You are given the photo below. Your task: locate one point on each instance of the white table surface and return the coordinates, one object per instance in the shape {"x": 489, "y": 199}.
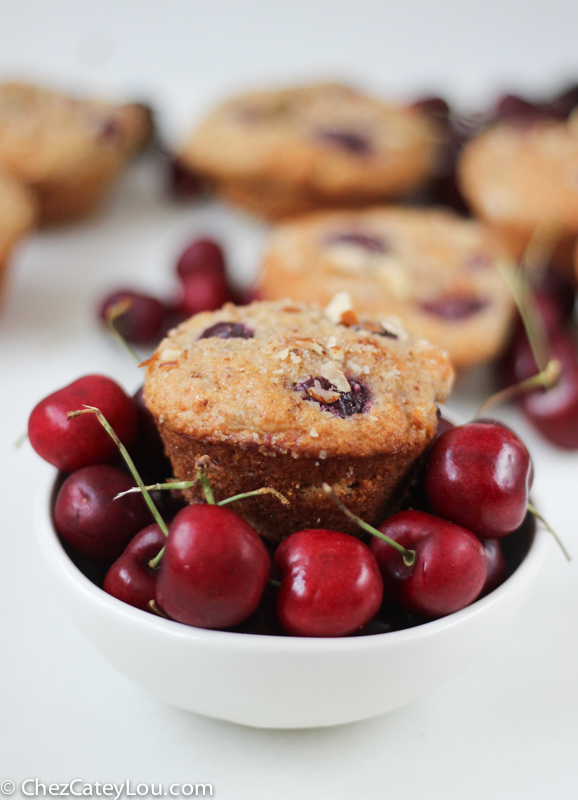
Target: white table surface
{"x": 507, "y": 727}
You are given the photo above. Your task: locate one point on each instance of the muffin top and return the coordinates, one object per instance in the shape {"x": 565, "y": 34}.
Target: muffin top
{"x": 523, "y": 174}
{"x": 328, "y": 138}
{"x": 285, "y": 377}
{"x": 44, "y": 133}
{"x": 434, "y": 270}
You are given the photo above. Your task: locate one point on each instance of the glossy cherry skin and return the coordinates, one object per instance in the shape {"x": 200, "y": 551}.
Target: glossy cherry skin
{"x": 202, "y": 256}
{"x": 496, "y": 566}
{"x": 82, "y": 441}
{"x": 330, "y": 585}
{"x": 214, "y": 569}
{"x": 478, "y": 476}
{"x": 91, "y": 521}
{"x": 130, "y": 578}
{"x": 142, "y": 321}
{"x": 449, "y": 570}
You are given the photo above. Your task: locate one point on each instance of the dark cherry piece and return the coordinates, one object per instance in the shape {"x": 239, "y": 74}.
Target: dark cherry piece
{"x": 353, "y": 402}
{"x": 88, "y": 517}
{"x": 496, "y": 566}
{"x": 364, "y": 240}
{"x": 478, "y": 476}
{"x": 454, "y": 307}
{"x": 214, "y": 569}
{"x": 349, "y": 141}
{"x": 79, "y": 442}
{"x": 227, "y": 330}
{"x": 330, "y": 585}
{"x": 449, "y": 570}
{"x": 201, "y": 256}
{"x": 142, "y": 322}
{"x": 130, "y": 578}
{"x": 204, "y": 291}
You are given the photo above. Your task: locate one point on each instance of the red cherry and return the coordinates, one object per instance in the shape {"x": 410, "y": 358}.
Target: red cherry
{"x": 478, "y": 476}
{"x": 449, "y": 570}
{"x": 130, "y": 578}
{"x": 331, "y": 584}
{"x": 202, "y": 256}
{"x": 554, "y": 413}
{"x": 214, "y": 569}
{"x": 91, "y": 521}
{"x": 142, "y": 321}
{"x": 204, "y": 291}
{"x": 82, "y": 441}
{"x": 496, "y": 566}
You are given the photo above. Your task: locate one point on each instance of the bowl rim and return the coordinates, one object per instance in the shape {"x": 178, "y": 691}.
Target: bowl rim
{"x": 61, "y": 563}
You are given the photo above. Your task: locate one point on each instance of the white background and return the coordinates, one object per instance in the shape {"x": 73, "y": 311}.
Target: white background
{"x": 507, "y": 727}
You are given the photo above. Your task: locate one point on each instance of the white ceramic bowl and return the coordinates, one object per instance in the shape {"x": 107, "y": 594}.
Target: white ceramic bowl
{"x": 276, "y": 681}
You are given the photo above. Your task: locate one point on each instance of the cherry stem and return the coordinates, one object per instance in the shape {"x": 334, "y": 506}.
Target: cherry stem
{"x": 525, "y": 301}
{"x": 264, "y": 490}
{"x": 205, "y": 485}
{"x": 129, "y": 462}
{"x": 273, "y": 582}
{"x": 154, "y": 607}
{"x": 543, "y": 380}
{"x": 21, "y": 439}
{"x": 112, "y": 314}
{"x": 533, "y": 511}
{"x": 408, "y": 555}
{"x": 155, "y": 487}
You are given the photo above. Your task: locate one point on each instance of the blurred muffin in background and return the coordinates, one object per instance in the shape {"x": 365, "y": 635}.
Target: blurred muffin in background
{"x": 67, "y": 151}
{"x": 521, "y": 176}
{"x": 17, "y": 217}
{"x": 428, "y": 268}
{"x": 284, "y": 152}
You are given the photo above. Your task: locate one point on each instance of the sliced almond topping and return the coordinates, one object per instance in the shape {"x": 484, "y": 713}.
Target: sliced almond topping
{"x": 339, "y": 305}
{"x": 282, "y": 354}
{"x": 337, "y": 353}
{"x": 332, "y": 341}
{"x": 317, "y": 392}
{"x": 335, "y": 376}
{"x": 170, "y": 355}
{"x": 296, "y": 359}
{"x": 313, "y": 433}
{"x": 394, "y": 326}
{"x": 349, "y": 318}
{"x": 278, "y": 371}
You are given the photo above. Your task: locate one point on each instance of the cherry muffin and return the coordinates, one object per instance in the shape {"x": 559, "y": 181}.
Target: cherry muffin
{"x": 283, "y": 395}
{"x": 431, "y": 269}
{"x": 67, "y": 150}
{"x": 17, "y": 217}
{"x": 521, "y": 174}
{"x": 288, "y": 151}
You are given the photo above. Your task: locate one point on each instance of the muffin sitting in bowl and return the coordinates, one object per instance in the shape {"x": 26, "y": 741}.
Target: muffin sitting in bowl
{"x": 289, "y": 396}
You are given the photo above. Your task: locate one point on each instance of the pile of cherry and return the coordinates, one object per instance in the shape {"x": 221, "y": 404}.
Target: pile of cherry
{"x": 204, "y": 285}
{"x": 209, "y": 567}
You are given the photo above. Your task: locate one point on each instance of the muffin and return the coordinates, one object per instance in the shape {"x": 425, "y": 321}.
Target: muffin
{"x": 68, "y": 151}
{"x": 285, "y": 396}
{"x": 519, "y": 175}
{"x": 431, "y": 269}
{"x": 17, "y": 217}
{"x": 288, "y": 151}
